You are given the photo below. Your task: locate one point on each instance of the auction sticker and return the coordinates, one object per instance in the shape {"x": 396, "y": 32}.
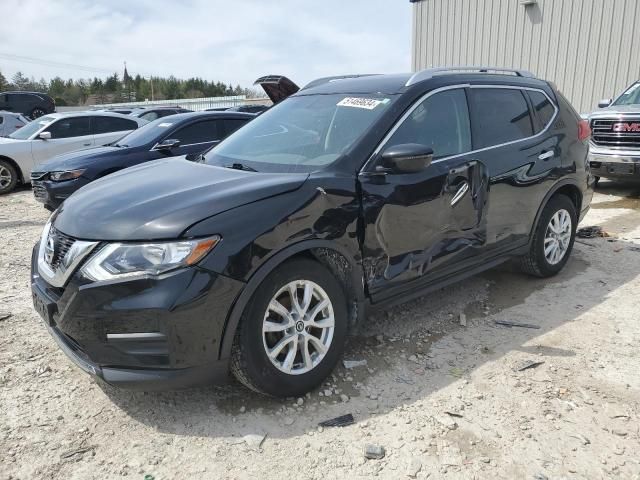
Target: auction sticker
{"x": 368, "y": 103}
{"x": 165, "y": 125}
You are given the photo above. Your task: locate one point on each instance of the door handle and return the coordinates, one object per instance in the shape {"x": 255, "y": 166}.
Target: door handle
{"x": 547, "y": 155}
{"x": 87, "y": 144}
{"x": 462, "y": 189}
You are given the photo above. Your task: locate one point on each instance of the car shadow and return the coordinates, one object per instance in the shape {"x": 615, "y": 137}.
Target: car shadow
{"x": 411, "y": 351}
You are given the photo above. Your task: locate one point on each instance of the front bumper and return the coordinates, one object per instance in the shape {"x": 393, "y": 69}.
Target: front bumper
{"x": 618, "y": 164}
{"x": 52, "y": 194}
{"x": 146, "y": 334}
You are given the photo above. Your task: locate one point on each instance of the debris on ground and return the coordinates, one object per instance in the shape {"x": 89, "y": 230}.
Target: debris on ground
{"x": 341, "y": 421}
{"x": 453, "y": 414}
{"x": 414, "y": 467}
{"x": 529, "y": 364}
{"x": 5, "y": 315}
{"x": 349, "y": 364}
{"x": 582, "y": 438}
{"x": 507, "y": 323}
{"x": 463, "y": 320}
{"x": 254, "y": 440}
{"x": 374, "y": 452}
{"x": 594, "y": 231}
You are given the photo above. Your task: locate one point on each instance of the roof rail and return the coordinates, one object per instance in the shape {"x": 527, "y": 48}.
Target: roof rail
{"x": 432, "y": 72}
{"x": 320, "y": 81}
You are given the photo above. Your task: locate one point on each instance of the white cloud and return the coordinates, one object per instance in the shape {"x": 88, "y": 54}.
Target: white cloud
{"x": 231, "y": 41}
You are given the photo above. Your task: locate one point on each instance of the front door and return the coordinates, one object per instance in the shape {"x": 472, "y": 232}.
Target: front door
{"x": 419, "y": 224}
{"x": 67, "y": 135}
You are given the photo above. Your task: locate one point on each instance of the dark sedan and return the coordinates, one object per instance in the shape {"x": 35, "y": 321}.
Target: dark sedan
{"x": 178, "y": 135}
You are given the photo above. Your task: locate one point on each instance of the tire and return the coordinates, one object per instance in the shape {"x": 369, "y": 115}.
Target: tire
{"x": 536, "y": 262}
{"x": 249, "y": 360}
{"x": 8, "y": 177}
{"x": 36, "y": 113}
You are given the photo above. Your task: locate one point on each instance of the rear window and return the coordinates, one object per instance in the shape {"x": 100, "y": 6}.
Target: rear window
{"x": 501, "y": 115}
{"x": 543, "y": 108}
{"x": 199, "y": 132}
{"x": 112, "y": 124}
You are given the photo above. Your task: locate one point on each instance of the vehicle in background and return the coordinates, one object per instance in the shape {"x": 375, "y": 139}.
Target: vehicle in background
{"x": 256, "y": 109}
{"x": 187, "y": 134}
{"x": 51, "y": 135}
{"x": 277, "y": 88}
{"x": 29, "y": 104}
{"x": 10, "y": 122}
{"x": 153, "y": 113}
{"x": 614, "y": 151}
{"x": 352, "y": 194}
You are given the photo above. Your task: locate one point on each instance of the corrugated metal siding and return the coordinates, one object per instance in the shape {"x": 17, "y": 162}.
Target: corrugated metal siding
{"x": 586, "y": 47}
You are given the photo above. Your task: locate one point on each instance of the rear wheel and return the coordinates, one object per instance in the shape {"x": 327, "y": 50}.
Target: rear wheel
{"x": 553, "y": 238}
{"x": 36, "y": 113}
{"x": 8, "y": 177}
{"x": 292, "y": 332}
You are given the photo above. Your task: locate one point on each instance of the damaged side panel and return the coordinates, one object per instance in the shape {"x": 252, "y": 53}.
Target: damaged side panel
{"x": 416, "y": 224}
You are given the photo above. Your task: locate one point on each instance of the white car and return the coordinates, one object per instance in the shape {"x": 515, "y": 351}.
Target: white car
{"x": 10, "y": 122}
{"x": 57, "y": 133}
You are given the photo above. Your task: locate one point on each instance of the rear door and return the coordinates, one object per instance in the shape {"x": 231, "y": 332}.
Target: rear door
{"x": 67, "y": 135}
{"x": 107, "y": 129}
{"x": 521, "y": 157}
{"x": 418, "y": 226}
{"x": 4, "y": 102}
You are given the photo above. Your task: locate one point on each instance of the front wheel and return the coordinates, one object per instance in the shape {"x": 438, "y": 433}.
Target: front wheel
{"x": 8, "y": 177}
{"x": 292, "y": 332}
{"x": 553, "y": 238}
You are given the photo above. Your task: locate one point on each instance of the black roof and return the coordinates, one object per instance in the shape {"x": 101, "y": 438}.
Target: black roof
{"x": 397, "y": 83}
{"x": 223, "y": 114}
{"x": 24, "y": 91}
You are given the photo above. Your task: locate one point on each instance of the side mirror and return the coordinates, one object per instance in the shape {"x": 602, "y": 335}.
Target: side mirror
{"x": 605, "y": 102}
{"x": 407, "y": 158}
{"x": 168, "y": 144}
{"x": 44, "y": 136}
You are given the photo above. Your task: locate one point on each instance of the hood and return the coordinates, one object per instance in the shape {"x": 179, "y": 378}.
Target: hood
{"x": 161, "y": 199}
{"x": 614, "y": 110}
{"x": 77, "y": 159}
{"x": 277, "y": 87}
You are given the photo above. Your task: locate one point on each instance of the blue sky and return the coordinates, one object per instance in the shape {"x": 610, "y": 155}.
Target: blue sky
{"x": 232, "y": 41}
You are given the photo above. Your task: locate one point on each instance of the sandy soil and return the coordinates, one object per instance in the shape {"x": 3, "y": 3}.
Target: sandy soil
{"x": 444, "y": 400}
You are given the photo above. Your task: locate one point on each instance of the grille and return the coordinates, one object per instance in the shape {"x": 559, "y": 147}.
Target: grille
{"x": 602, "y": 133}
{"x": 62, "y": 244}
{"x": 38, "y": 190}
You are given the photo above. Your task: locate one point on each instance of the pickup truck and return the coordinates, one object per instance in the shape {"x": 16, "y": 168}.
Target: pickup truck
{"x": 614, "y": 150}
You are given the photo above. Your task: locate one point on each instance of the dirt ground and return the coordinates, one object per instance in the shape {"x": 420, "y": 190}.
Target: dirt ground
{"x": 444, "y": 400}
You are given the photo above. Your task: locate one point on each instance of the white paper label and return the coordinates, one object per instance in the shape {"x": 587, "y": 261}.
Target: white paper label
{"x": 367, "y": 103}
{"x": 165, "y": 125}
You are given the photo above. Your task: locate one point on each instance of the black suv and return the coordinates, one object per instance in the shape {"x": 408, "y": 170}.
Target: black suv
{"x": 352, "y": 194}
{"x": 29, "y": 104}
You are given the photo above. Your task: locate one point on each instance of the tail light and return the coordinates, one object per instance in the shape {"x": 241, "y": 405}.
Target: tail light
{"x": 584, "y": 130}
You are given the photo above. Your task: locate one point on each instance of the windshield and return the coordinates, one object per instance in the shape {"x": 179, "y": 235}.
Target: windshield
{"x": 148, "y": 133}
{"x": 29, "y": 129}
{"x": 301, "y": 134}
{"x": 630, "y": 97}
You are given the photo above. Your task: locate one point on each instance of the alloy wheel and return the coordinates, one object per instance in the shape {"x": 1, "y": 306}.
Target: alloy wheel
{"x": 5, "y": 177}
{"x": 298, "y": 327}
{"x": 37, "y": 113}
{"x": 557, "y": 237}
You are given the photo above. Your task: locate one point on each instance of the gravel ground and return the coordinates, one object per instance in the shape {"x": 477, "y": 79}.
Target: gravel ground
{"x": 443, "y": 399}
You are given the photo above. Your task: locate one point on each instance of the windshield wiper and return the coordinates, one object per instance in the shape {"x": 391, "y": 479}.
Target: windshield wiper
{"x": 241, "y": 166}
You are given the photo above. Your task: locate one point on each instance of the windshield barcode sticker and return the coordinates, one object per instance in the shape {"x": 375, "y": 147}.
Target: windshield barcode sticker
{"x": 368, "y": 103}
{"x": 165, "y": 125}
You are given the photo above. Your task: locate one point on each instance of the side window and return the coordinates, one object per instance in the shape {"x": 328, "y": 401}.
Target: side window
{"x": 501, "y": 115}
{"x": 440, "y": 122}
{"x": 70, "y": 127}
{"x": 199, "y": 132}
{"x": 232, "y": 124}
{"x": 543, "y": 108}
{"x": 112, "y": 124}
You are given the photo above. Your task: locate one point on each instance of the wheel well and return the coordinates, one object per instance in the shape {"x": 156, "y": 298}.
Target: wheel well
{"x": 574, "y": 195}
{"x": 14, "y": 165}
{"x": 342, "y": 270}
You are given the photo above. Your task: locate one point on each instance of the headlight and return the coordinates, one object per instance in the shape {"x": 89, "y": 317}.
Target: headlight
{"x": 66, "y": 175}
{"x": 118, "y": 260}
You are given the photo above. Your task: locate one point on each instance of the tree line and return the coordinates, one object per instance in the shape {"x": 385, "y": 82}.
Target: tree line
{"x": 116, "y": 89}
